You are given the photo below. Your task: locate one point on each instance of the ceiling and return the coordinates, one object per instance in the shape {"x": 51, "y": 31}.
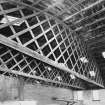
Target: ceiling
{"x": 90, "y": 24}
{"x": 85, "y": 17}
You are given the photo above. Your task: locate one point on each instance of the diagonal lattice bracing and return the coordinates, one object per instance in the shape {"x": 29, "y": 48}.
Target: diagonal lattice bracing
{"x": 15, "y": 63}
{"x": 47, "y": 39}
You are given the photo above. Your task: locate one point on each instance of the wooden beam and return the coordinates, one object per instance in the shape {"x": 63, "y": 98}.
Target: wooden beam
{"x": 8, "y": 42}
{"x": 99, "y": 1}
{"x": 69, "y": 102}
{"x": 97, "y": 47}
{"x": 97, "y": 39}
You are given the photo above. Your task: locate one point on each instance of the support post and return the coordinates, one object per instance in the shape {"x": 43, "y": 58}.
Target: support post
{"x": 21, "y": 88}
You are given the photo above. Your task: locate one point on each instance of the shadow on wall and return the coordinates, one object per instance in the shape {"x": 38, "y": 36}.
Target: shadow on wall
{"x": 19, "y": 103}
{"x": 8, "y": 89}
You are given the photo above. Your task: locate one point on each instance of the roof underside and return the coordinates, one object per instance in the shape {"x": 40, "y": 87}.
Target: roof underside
{"x": 85, "y": 17}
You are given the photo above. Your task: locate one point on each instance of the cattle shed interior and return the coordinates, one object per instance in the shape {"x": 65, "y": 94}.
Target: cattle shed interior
{"x": 52, "y": 52}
